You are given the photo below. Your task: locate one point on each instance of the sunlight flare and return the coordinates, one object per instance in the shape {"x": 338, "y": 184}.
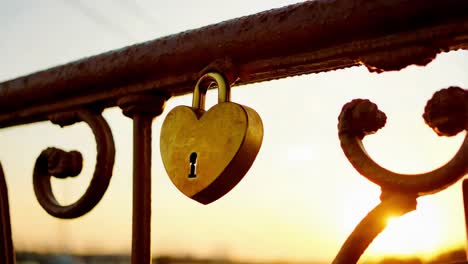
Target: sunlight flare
{"x": 418, "y": 232}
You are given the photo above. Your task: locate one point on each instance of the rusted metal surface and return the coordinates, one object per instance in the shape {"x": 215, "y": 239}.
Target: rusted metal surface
{"x": 7, "y": 254}
{"x": 141, "y": 223}
{"x": 447, "y": 114}
{"x": 361, "y": 117}
{"x": 62, "y": 164}
{"x": 142, "y": 109}
{"x": 312, "y": 36}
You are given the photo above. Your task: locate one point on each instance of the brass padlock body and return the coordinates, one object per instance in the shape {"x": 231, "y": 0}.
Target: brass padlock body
{"x": 207, "y": 153}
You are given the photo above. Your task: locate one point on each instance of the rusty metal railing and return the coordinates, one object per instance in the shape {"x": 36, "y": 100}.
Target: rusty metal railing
{"x": 314, "y": 36}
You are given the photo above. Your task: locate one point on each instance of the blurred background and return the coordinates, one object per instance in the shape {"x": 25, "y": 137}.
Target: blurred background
{"x": 301, "y": 198}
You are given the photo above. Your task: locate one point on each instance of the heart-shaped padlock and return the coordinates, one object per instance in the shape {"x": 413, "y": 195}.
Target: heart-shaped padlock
{"x": 207, "y": 153}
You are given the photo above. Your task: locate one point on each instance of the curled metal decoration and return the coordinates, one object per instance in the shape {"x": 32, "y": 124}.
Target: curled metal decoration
{"x": 447, "y": 114}
{"x": 7, "y": 254}
{"x": 394, "y": 205}
{"x": 62, "y": 164}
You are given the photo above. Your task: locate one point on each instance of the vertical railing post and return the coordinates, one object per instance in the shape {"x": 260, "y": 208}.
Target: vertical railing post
{"x": 7, "y": 254}
{"x": 465, "y": 205}
{"x": 142, "y": 109}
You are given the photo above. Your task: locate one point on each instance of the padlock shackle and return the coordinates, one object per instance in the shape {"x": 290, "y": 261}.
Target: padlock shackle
{"x": 206, "y": 82}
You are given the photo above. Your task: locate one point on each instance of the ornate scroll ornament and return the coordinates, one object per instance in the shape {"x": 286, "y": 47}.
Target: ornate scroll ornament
{"x": 61, "y": 164}
{"x": 447, "y": 114}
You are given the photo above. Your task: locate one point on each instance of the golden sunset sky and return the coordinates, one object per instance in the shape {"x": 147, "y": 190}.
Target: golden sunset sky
{"x": 301, "y": 198}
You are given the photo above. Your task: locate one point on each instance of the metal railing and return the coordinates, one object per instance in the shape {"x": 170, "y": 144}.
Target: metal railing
{"x": 308, "y": 37}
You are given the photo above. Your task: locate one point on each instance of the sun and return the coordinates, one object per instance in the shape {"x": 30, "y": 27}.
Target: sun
{"x": 417, "y": 233}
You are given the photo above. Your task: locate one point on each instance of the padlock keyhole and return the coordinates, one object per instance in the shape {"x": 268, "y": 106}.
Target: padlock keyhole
{"x": 193, "y": 165}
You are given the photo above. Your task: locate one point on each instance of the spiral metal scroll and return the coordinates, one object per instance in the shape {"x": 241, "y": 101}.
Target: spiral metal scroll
{"x": 62, "y": 164}
{"x": 447, "y": 114}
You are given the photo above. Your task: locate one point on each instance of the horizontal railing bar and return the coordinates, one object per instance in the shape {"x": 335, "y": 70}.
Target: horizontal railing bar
{"x": 308, "y": 37}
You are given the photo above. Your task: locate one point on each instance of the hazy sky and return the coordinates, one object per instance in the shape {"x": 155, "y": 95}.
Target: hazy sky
{"x": 300, "y": 199}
